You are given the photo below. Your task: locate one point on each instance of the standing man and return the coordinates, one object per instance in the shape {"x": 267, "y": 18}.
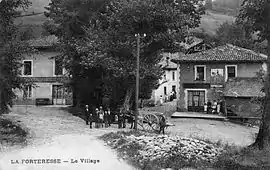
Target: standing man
{"x": 120, "y": 119}
{"x": 109, "y": 117}
{"x": 106, "y": 120}
{"x": 91, "y": 117}
{"x": 218, "y": 106}
{"x": 101, "y": 115}
{"x": 86, "y": 114}
{"x": 162, "y": 124}
{"x": 209, "y": 106}
{"x": 97, "y": 118}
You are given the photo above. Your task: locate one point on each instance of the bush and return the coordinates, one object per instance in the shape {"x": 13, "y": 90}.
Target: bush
{"x": 244, "y": 158}
{"x": 12, "y": 133}
{"x": 151, "y": 152}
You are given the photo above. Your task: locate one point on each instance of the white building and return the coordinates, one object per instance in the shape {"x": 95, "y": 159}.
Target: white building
{"x": 168, "y": 83}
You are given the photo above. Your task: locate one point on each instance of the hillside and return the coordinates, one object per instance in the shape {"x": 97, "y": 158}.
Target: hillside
{"x": 212, "y": 20}
{"x": 209, "y": 22}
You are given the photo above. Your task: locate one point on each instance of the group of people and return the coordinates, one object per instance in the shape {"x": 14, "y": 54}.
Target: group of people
{"x": 101, "y": 117}
{"x": 125, "y": 117}
{"x": 168, "y": 98}
{"x": 104, "y": 117}
{"x": 215, "y": 108}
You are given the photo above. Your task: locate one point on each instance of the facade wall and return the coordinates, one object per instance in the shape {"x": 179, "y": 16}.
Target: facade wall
{"x": 243, "y": 70}
{"x": 40, "y": 90}
{"x": 43, "y": 65}
{"x": 168, "y": 83}
{"x": 187, "y": 75}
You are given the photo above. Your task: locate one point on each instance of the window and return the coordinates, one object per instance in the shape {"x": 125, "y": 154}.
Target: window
{"x": 167, "y": 60}
{"x": 173, "y": 75}
{"x": 200, "y": 73}
{"x": 58, "y": 68}
{"x": 165, "y": 91}
{"x": 174, "y": 88}
{"x": 27, "y": 68}
{"x": 27, "y": 92}
{"x": 231, "y": 71}
{"x": 164, "y": 76}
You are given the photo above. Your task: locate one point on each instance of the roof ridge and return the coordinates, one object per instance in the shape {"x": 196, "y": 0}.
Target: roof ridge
{"x": 247, "y": 50}
{"x": 224, "y": 53}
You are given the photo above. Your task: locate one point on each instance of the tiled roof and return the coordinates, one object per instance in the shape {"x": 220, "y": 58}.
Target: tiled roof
{"x": 190, "y": 42}
{"x": 225, "y": 53}
{"x": 243, "y": 87}
{"x": 48, "y": 41}
{"x": 169, "y": 65}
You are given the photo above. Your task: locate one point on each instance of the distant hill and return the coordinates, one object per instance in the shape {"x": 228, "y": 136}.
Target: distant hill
{"x": 36, "y": 7}
{"x": 212, "y": 20}
{"x": 209, "y": 22}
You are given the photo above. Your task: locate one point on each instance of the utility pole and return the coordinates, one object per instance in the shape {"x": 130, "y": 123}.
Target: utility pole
{"x": 137, "y": 79}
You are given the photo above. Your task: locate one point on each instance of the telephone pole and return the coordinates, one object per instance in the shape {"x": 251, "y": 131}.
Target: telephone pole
{"x": 137, "y": 79}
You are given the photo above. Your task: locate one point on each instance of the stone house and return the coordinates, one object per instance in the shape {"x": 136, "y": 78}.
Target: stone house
{"x": 203, "y": 75}
{"x": 46, "y": 75}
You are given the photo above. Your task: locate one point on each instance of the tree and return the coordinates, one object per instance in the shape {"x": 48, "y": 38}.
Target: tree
{"x": 257, "y": 14}
{"x": 240, "y": 35}
{"x": 66, "y": 20}
{"x": 102, "y": 33}
{"x": 11, "y": 51}
{"x": 112, "y": 35}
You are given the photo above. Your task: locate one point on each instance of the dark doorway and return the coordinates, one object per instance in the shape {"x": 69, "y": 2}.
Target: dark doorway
{"x": 196, "y": 100}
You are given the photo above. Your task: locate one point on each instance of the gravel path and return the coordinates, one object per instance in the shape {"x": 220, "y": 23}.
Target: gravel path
{"x": 215, "y": 131}
{"x": 56, "y": 134}
{"x": 224, "y": 132}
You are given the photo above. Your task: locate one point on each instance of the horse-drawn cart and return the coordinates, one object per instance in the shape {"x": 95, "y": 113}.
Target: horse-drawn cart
{"x": 151, "y": 121}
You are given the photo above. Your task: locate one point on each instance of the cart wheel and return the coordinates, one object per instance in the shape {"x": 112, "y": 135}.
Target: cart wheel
{"x": 151, "y": 122}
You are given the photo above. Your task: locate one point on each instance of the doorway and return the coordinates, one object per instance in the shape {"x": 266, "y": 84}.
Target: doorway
{"x": 58, "y": 94}
{"x": 196, "y": 100}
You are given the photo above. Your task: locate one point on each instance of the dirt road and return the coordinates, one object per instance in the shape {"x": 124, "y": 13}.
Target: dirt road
{"x": 61, "y": 138}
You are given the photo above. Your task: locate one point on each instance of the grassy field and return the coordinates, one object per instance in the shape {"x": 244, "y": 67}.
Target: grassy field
{"x": 212, "y": 20}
